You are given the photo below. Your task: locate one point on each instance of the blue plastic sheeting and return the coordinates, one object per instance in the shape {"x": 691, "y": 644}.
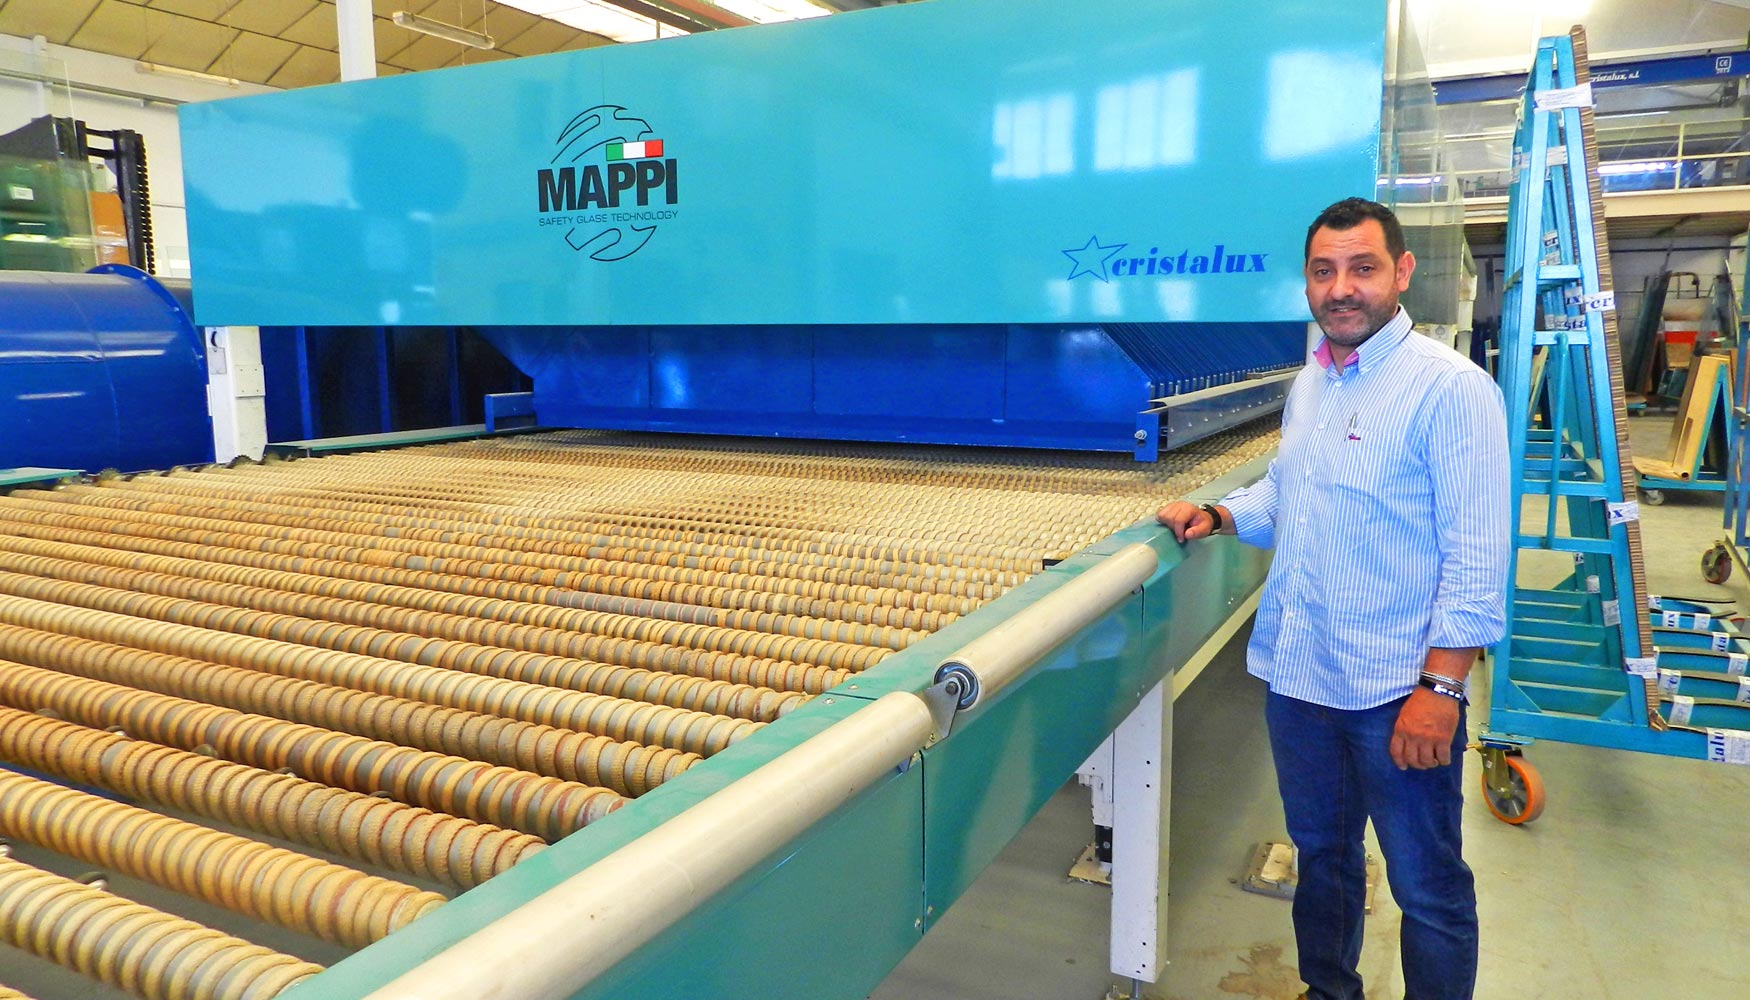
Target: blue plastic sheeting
{"x": 1032, "y": 386}
{"x": 100, "y": 370}
{"x": 974, "y": 162}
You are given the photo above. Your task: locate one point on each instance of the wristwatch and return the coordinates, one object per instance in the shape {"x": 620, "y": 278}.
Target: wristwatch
{"x": 1214, "y": 513}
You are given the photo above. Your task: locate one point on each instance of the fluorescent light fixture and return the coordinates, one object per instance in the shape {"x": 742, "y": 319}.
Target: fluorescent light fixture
{"x": 596, "y": 17}
{"x": 1635, "y": 167}
{"x": 1416, "y": 180}
{"x": 438, "y": 29}
{"x": 603, "y": 18}
{"x": 186, "y": 74}
{"x": 768, "y": 11}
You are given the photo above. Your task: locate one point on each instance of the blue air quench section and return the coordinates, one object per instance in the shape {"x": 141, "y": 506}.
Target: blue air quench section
{"x": 1084, "y": 387}
{"x": 858, "y": 244}
{"x": 103, "y": 370}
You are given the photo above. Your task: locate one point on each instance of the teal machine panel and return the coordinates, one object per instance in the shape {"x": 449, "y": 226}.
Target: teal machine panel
{"x": 961, "y": 161}
{"x": 973, "y": 222}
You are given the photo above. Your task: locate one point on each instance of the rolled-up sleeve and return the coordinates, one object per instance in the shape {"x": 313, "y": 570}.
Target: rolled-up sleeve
{"x": 1254, "y": 510}
{"x": 1467, "y": 459}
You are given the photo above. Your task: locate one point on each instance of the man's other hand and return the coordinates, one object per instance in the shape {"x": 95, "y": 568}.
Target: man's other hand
{"x": 1188, "y": 521}
{"x": 1423, "y": 737}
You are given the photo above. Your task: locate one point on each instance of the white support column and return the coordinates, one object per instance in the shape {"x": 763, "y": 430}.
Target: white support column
{"x": 1142, "y": 771}
{"x": 358, "y": 41}
{"x": 236, "y": 392}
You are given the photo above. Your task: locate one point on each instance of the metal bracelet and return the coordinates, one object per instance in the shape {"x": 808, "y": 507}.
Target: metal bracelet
{"x": 1456, "y": 694}
{"x": 1428, "y": 675}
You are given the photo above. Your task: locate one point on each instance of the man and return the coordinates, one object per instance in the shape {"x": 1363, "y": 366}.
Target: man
{"x": 1387, "y": 505}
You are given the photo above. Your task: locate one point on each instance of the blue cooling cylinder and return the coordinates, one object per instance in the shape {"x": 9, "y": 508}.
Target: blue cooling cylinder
{"x": 100, "y": 370}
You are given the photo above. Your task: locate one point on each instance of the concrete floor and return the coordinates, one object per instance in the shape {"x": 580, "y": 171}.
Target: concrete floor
{"x": 1631, "y": 885}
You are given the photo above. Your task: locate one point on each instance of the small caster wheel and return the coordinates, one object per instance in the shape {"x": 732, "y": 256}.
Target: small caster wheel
{"x": 1716, "y": 564}
{"x": 1512, "y": 789}
{"x": 1652, "y": 498}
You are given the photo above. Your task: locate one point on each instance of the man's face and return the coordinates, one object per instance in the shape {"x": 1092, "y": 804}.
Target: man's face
{"x": 1352, "y": 282}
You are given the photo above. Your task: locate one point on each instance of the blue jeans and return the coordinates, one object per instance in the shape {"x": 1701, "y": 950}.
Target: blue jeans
{"x": 1335, "y": 771}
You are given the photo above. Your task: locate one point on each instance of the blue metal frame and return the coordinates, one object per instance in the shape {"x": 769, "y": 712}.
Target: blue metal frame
{"x": 1737, "y": 519}
{"x": 1563, "y": 668}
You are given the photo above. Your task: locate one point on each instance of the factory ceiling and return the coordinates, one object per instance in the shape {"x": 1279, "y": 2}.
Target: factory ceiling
{"x": 295, "y": 43}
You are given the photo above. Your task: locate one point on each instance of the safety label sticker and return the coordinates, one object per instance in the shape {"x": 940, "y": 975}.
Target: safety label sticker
{"x": 1668, "y": 681}
{"x": 1728, "y": 746}
{"x": 1642, "y": 666}
{"x": 1721, "y": 642}
{"x": 1681, "y": 707}
{"x": 1564, "y": 97}
{"x": 1590, "y": 301}
{"x": 1737, "y": 664}
{"x": 1621, "y": 513}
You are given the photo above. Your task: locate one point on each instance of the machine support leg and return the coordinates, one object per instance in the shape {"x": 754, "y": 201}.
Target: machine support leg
{"x": 1130, "y": 779}
{"x": 236, "y": 392}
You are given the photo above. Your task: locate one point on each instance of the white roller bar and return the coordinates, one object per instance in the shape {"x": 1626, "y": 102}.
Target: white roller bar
{"x": 990, "y": 662}
{"x": 552, "y": 946}
{"x": 561, "y": 940}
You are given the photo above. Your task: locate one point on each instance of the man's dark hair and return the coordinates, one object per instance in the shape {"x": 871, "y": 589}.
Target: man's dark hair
{"x": 1352, "y": 212}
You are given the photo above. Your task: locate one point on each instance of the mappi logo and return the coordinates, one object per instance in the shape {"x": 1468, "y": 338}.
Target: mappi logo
{"x": 1097, "y": 259}
{"x": 593, "y": 197}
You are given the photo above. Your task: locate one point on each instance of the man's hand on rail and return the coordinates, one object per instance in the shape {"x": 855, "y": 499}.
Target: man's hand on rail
{"x": 1188, "y": 521}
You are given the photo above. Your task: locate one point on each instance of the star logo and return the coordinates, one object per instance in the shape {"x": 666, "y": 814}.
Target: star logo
{"x": 1091, "y": 258}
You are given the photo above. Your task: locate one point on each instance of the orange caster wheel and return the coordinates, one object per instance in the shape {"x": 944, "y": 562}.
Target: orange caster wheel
{"x": 1512, "y": 789}
{"x": 1716, "y": 564}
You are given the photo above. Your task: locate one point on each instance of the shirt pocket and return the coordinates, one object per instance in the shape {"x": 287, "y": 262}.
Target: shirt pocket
{"x": 1372, "y": 465}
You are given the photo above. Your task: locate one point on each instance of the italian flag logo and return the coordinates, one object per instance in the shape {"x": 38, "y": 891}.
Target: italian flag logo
{"x": 634, "y": 150}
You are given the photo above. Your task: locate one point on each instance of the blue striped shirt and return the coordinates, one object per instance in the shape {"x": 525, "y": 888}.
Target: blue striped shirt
{"x": 1387, "y": 505}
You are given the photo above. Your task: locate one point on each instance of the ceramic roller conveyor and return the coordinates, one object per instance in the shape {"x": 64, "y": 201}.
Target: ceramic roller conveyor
{"x": 513, "y": 637}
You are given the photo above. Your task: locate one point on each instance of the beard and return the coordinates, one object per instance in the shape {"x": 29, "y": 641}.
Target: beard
{"x": 1352, "y": 329}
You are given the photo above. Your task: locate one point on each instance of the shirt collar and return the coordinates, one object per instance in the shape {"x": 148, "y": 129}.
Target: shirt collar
{"x": 1371, "y": 350}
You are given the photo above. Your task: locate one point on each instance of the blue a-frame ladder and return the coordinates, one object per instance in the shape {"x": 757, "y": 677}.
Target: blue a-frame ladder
{"x": 1579, "y": 662}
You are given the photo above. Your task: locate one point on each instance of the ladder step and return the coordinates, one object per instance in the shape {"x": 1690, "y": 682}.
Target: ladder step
{"x": 1568, "y": 488}
{"x": 1549, "y": 275}
{"x": 1544, "y": 628}
{"x": 1561, "y": 650}
{"x": 1589, "y": 677}
{"x": 1589, "y": 702}
{"x": 1594, "y": 546}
